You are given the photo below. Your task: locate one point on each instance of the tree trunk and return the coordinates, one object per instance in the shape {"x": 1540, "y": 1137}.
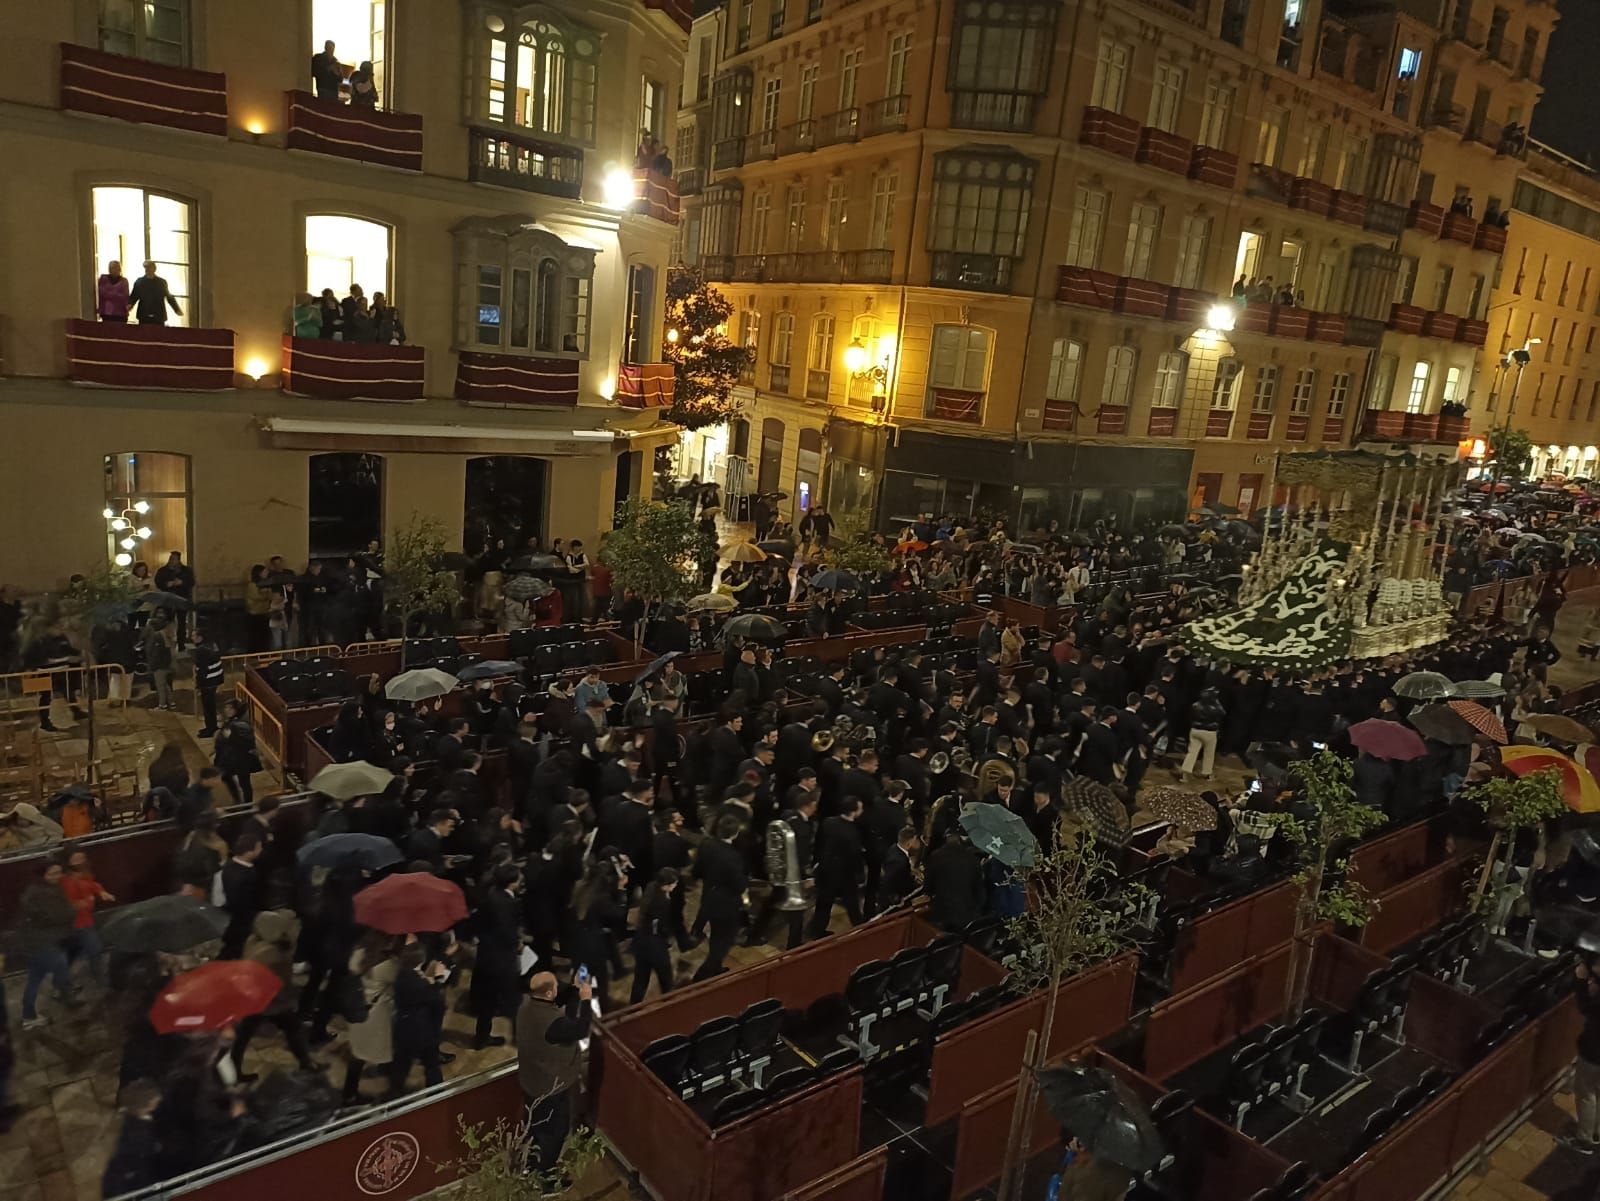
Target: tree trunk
{"x": 1010, "y": 1175}
{"x": 1488, "y": 871}
{"x": 88, "y": 704}
{"x": 1298, "y": 982}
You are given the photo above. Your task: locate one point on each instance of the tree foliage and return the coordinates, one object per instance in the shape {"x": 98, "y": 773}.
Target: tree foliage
{"x": 653, "y": 552}
{"x": 500, "y": 1162}
{"x": 859, "y": 558}
{"x": 414, "y": 578}
{"x": 90, "y": 604}
{"x": 1513, "y": 805}
{"x": 706, "y": 363}
{"x": 1511, "y": 450}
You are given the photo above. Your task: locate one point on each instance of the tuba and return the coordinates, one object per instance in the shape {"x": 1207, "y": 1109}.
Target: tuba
{"x": 992, "y": 773}
{"x": 822, "y": 741}
{"x": 783, "y": 865}
{"x": 932, "y": 821}
{"x": 938, "y": 763}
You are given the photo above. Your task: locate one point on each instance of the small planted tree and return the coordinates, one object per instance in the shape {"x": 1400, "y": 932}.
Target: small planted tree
{"x": 1513, "y": 805}
{"x": 653, "y": 552}
{"x": 1322, "y": 783}
{"x": 706, "y": 363}
{"x": 1511, "y": 450}
{"x": 863, "y": 559}
{"x": 90, "y": 605}
{"x": 414, "y": 578}
{"x": 501, "y": 1163}
{"x": 1077, "y": 915}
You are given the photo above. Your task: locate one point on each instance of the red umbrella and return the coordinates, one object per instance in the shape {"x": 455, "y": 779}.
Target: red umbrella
{"x": 1481, "y": 720}
{"x": 1386, "y": 740}
{"x": 411, "y": 903}
{"x": 214, "y": 995}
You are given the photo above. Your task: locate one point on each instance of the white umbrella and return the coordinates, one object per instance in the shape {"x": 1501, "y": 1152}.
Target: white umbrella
{"x": 420, "y": 685}
{"x": 344, "y": 781}
{"x": 711, "y": 602}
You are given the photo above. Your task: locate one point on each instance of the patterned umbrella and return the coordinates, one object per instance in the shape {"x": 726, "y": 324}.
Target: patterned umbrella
{"x": 1423, "y": 686}
{"x": 711, "y": 602}
{"x": 1386, "y": 740}
{"x": 1443, "y": 724}
{"x": 1478, "y": 690}
{"x": 1099, "y": 808}
{"x": 997, "y": 831}
{"x": 744, "y": 552}
{"x": 1579, "y": 789}
{"x": 1559, "y": 726}
{"x": 1180, "y": 808}
{"x": 1482, "y": 720}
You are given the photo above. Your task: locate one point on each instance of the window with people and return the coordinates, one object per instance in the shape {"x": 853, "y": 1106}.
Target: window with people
{"x": 350, "y": 56}
{"x": 348, "y": 289}
{"x": 537, "y": 71}
{"x": 144, "y": 247}
{"x": 522, "y": 290}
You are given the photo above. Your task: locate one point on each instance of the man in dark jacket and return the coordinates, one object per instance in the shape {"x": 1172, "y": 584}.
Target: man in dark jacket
{"x": 150, "y": 297}
{"x": 44, "y": 924}
{"x": 549, "y": 1060}
{"x": 723, "y": 881}
{"x": 726, "y": 749}
{"x": 800, "y": 816}
{"x": 841, "y": 857}
{"x": 207, "y": 679}
{"x": 1100, "y": 749}
{"x": 669, "y": 848}
{"x": 241, "y": 892}
{"x": 625, "y": 824}
{"x": 954, "y": 883}
{"x": 495, "y": 971}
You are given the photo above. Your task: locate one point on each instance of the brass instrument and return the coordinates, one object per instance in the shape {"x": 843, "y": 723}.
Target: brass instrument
{"x": 962, "y": 758}
{"x": 938, "y": 763}
{"x": 822, "y": 741}
{"x": 993, "y": 773}
{"x": 933, "y": 818}
{"x": 783, "y": 865}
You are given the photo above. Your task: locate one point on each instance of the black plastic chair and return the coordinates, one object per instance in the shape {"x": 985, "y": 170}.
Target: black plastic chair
{"x": 790, "y": 1080}
{"x": 1242, "y": 1088}
{"x": 908, "y": 971}
{"x": 1297, "y": 1182}
{"x": 1433, "y": 1081}
{"x": 1409, "y": 1099}
{"x": 865, "y": 998}
{"x": 668, "y": 1058}
{"x": 758, "y": 1032}
{"x": 982, "y": 935}
{"x": 1376, "y": 1126}
{"x": 737, "y": 1105}
{"x": 837, "y": 1061}
{"x": 711, "y": 1049}
{"x": 1281, "y": 1066}
{"x": 944, "y": 966}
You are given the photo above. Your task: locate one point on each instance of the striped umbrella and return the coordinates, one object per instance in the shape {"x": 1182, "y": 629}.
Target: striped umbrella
{"x": 1482, "y": 690}
{"x": 1098, "y": 808}
{"x": 1482, "y": 720}
{"x": 1579, "y": 789}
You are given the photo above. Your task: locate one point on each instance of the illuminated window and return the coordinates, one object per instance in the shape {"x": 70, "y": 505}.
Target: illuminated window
{"x": 160, "y": 482}
{"x": 1088, "y": 227}
{"x": 522, "y": 290}
{"x": 1305, "y": 390}
{"x": 1121, "y": 363}
{"x": 540, "y": 74}
{"x": 1338, "y": 393}
{"x": 960, "y": 358}
{"x": 1417, "y": 395}
{"x": 1171, "y": 368}
{"x": 358, "y": 30}
{"x": 341, "y": 251}
{"x": 1110, "y": 74}
{"x": 1266, "y": 394}
{"x": 1166, "y": 97}
{"x": 1066, "y": 359}
{"x": 1144, "y": 226}
{"x": 132, "y": 225}
{"x": 1225, "y": 387}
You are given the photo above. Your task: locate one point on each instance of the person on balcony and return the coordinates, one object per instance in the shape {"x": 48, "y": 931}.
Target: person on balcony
{"x": 391, "y": 330}
{"x": 111, "y": 295}
{"x": 151, "y": 297}
{"x": 327, "y": 73}
{"x": 307, "y": 316}
{"x": 363, "y": 88}
{"x": 332, "y": 315}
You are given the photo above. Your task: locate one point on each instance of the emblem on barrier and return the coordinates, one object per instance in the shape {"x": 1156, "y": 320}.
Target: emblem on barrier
{"x": 387, "y": 1163}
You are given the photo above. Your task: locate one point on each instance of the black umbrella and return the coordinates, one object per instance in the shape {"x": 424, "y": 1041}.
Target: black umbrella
{"x": 170, "y": 923}
{"x": 366, "y": 851}
{"x": 164, "y": 600}
{"x": 1078, "y": 538}
{"x": 757, "y": 627}
{"x": 1442, "y": 724}
{"x": 1103, "y": 1114}
{"x": 834, "y": 580}
{"x": 1174, "y": 531}
{"x": 535, "y": 563}
{"x": 997, "y": 831}
{"x": 655, "y": 665}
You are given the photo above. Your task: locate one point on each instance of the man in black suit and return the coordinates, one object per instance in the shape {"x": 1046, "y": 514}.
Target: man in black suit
{"x": 840, "y": 860}
{"x": 1044, "y": 765}
{"x": 1136, "y": 743}
{"x": 617, "y": 774}
{"x": 1040, "y": 701}
{"x": 450, "y": 748}
{"x": 722, "y": 886}
{"x": 745, "y": 678}
{"x": 861, "y": 781}
{"x": 912, "y": 767}
{"x": 885, "y": 698}
{"x": 241, "y": 892}
{"x": 896, "y": 879}
{"x": 986, "y": 678}
{"x": 830, "y": 778}
{"x": 726, "y": 749}
{"x": 989, "y": 634}
{"x": 494, "y": 972}
{"x": 954, "y": 883}
{"x": 800, "y": 815}
{"x": 981, "y": 737}
{"x": 1100, "y": 749}
{"x": 792, "y": 752}
{"x": 426, "y": 845}
{"x": 669, "y": 848}
{"x": 881, "y": 820}
{"x": 522, "y": 761}
{"x": 830, "y": 689}
{"x": 625, "y": 824}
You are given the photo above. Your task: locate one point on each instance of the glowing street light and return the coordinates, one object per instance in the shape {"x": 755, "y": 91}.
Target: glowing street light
{"x": 1221, "y": 317}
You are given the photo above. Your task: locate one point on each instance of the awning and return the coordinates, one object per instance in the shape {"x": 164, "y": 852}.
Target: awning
{"x": 380, "y": 436}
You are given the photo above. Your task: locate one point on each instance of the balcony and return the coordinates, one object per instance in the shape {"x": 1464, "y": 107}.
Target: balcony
{"x": 367, "y": 135}
{"x": 1311, "y": 196}
{"x": 801, "y": 136}
{"x": 970, "y": 272}
{"x": 1111, "y": 419}
{"x": 131, "y": 89}
{"x": 1003, "y": 112}
{"x": 1428, "y": 218}
{"x": 1165, "y": 150}
{"x": 761, "y": 146}
{"x": 333, "y": 370}
{"x": 655, "y": 195}
{"x": 1060, "y": 416}
{"x": 817, "y": 384}
{"x": 888, "y": 115}
{"x": 1219, "y": 168}
{"x": 1086, "y": 286}
{"x": 515, "y": 161}
{"x": 1391, "y": 425}
{"x": 948, "y": 404}
{"x": 1163, "y": 422}
{"x": 155, "y": 357}
{"x": 749, "y": 268}
{"x": 1440, "y": 325}
{"x": 1269, "y": 183}
{"x": 691, "y": 181}
{"x": 1407, "y": 318}
{"x": 516, "y": 380}
{"x": 1458, "y": 227}
{"x": 1384, "y": 217}
{"x": 1289, "y": 46}
{"x": 842, "y": 126}
{"x": 1490, "y": 237}
{"x": 717, "y": 268}
{"x": 1472, "y": 332}
{"x": 645, "y": 385}
{"x": 1142, "y": 297}
{"x": 778, "y": 377}
{"x": 1348, "y": 207}
{"x": 1109, "y": 131}
{"x": 815, "y": 267}
{"x": 1259, "y": 427}
{"x": 727, "y": 153}
{"x": 1445, "y": 116}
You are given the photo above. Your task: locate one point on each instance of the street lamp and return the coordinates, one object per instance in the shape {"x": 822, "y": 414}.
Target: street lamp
{"x": 1221, "y": 317}
{"x": 858, "y": 362}
{"x": 1519, "y": 358}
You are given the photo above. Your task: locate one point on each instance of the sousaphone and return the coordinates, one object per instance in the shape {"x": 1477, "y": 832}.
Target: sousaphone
{"x": 822, "y": 741}
{"x": 938, "y": 763}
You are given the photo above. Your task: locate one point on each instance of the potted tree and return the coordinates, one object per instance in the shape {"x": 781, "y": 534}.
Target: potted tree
{"x": 1514, "y": 806}
{"x": 652, "y": 552}
{"x": 414, "y": 578}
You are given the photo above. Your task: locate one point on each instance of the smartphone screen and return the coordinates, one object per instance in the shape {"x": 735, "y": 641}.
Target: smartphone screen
{"x": 583, "y": 973}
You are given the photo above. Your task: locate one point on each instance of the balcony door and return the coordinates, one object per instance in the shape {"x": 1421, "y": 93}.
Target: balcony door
{"x": 359, "y": 31}
{"x": 133, "y": 225}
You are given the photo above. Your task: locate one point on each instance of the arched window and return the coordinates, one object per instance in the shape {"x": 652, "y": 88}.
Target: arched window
{"x": 540, "y": 73}
{"x": 1225, "y": 388}
{"x": 1118, "y": 388}
{"x": 819, "y": 361}
{"x": 521, "y": 289}
{"x": 148, "y": 498}
{"x": 135, "y": 225}
{"x": 1170, "y": 370}
{"x": 341, "y": 251}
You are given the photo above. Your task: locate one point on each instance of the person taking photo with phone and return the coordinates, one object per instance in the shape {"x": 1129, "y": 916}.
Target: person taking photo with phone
{"x": 548, "y": 1058}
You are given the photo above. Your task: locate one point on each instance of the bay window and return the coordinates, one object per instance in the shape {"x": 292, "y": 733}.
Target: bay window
{"x": 539, "y": 73}
{"x": 521, "y": 290}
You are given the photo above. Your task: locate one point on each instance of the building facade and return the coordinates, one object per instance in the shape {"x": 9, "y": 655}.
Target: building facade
{"x": 494, "y": 193}
{"x": 1067, "y": 260}
{"x": 1548, "y": 305}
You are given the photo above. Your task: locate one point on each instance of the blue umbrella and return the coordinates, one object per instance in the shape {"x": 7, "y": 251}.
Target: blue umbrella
{"x": 366, "y": 851}
{"x": 488, "y": 669}
{"x": 654, "y": 666}
{"x": 834, "y": 580}
{"x": 997, "y": 831}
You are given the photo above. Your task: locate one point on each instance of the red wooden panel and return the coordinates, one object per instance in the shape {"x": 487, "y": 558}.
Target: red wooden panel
{"x": 1397, "y": 856}
{"x": 1472, "y": 331}
{"x": 1556, "y": 1041}
{"x": 1416, "y": 906}
{"x": 645, "y": 385}
{"x": 1407, "y": 318}
{"x": 1260, "y": 427}
{"x": 1218, "y": 423}
{"x": 950, "y": 405}
{"x": 1327, "y": 327}
{"x": 1081, "y": 285}
{"x": 1446, "y": 1022}
{"x": 1311, "y": 195}
{"x": 1412, "y": 1157}
{"x": 1165, "y": 150}
{"x": 132, "y": 89}
{"x": 1061, "y": 415}
{"x": 504, "y": 379}
{"x": 1254, "y": 318}
{"x": 1339, "y": 967}
{"x": 1429, "y": 218}
{"x": 367, "y": 135}
{"x": 1289, "y": 321}
{"x": 1440, "y": 325}
{"x": 981, "y": 1138}
{"x": 1113, "y": 419}
{"x": 1141, "y": 297}
{"x": 1297, "y": 428}
{"x": 1229, "y": 1166}
{"x": 787, "y": 1144}
{"x": 859, "y": 1180}
{"x": 1333, "y": 429}
{"x": 1189, "y": 1026}
{"x": 1109, "y": 131}
{"x": 1493, "y": 1092}
{"x": 1490, "y": 237}
{"x": 169, "y": 357}
{"x": 1209, "y": 165}
{"x": 1163, "y": 423}
{"x": 1349, "y": 207}
{"x": 1458, "y": 227}
{"x": 660, "y": 1137}
{"x": 351, "y": 370}
{"x": 1189, "y": 306}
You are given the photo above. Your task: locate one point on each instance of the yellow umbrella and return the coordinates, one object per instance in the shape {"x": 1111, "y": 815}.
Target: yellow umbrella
{"x": 1579, "y": 789}
{"x": 743, "y": 552}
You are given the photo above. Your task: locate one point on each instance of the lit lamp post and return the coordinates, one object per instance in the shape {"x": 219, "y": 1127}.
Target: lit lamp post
{"x": 128, "y": 529}
{"x": 1518, "y": 358}
{"x": 858, "y": 362}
